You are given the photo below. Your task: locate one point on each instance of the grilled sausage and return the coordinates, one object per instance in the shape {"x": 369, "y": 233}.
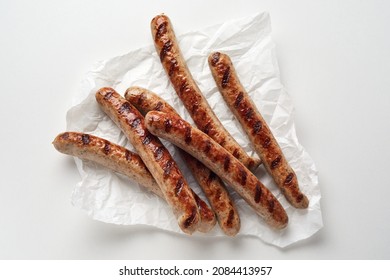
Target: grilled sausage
{"x": 107, "y": 154}
{"x": 121, "y": 160}
{"x": 188, "y": 91}
{"x": 155, "y": 156}
{"x": 256, "y": 128}
{"x": 214, "y": 189}
{"x": 220, "y": 161}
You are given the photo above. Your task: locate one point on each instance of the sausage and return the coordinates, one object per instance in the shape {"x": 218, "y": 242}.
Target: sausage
{"x": 220, "y": 161}
{"x": 107, "y": 154}
{"x": 214, "y": 189}
{"x": 256, "y": 128}
{"x": 123, "y": 161}
{"x": 188, "y": 91}
{"x": 155, "y": 156}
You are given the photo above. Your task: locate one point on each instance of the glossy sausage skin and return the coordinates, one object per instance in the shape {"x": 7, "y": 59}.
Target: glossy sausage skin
{"x": 121, "y": 160}
{"x": 256, "y": 128}
{"x": 188, "y": 91}
{"x": 155, "y": 156}
{"x": 220, "y": 161}
{"x": 107, "y": 154}
{"x": 214, "y": 189}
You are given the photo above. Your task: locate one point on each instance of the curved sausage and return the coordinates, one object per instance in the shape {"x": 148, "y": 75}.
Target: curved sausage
{"x": 155, "y": 156}
{"x": 220, "y": 161}
{"x": 107, "y": 154}
{"x": 256, "y": 128}
{"x": 214, "y": 189}
{"x": 188, "y": 91}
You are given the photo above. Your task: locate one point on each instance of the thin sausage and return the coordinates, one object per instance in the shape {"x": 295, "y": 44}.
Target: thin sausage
{"x": 107, "y": 154}
{"x": 220, "y": 161}
{"x": 188, "y": 91}
{"x": 256, "y": 128}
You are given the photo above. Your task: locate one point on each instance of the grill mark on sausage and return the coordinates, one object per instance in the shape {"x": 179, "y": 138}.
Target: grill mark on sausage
{"x": 229, "y": 221}
{"x": 134, "y": 123}
{"x": 271, "y": 205}
{"x": 190, "y": 220}
{"x": 222, "y": 142}
{"x": 108, "y": 94}
{"x": 207, "y": 147}
{"x": 299, "y": 198}
{"x": 85, "y": 139}
{"x": 107, "y": 147}
{"x": 125, "y": 108}
{"x": 127, "y": 155}
{"x": 206, "y": 128}
{"x": 179, "y": 186}
{"x": 215, "y": 58}
{"x": 267, "y": 142}
{"x": 289, "y": 178}
{"x": 275, "y": 163}
{"x": 165, "y": 49}
{"x": 226, "y": 163}
{"x": 257, "y": 193}
{"x": 167, "y": 168}
{"x": 243, "y": 175}
{"x": 188, "y": 135}
{"x": 236, "y": 153}
{"x": 167, "y": 125}
{"x": 251, "y": 164}
{"x": 147, "y": 139}
{"x": 194, "y": 108}
{"x": 226, "y": 77}
{"x": 158, "y": 154}
{"x": 238, "y": 100}
{"x": 161, "y": 30}
{"x": 158, "y": 106}
{"x": 257, "y": 127}
{"x": 248, "y": 114}
{"x": 141, "y": 98}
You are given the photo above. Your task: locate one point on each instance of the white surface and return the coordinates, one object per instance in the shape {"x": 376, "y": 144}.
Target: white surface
{"x": 334, "y": 63}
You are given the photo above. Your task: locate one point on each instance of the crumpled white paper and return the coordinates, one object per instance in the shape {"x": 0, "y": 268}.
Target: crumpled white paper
{"x": 112, "y": 198}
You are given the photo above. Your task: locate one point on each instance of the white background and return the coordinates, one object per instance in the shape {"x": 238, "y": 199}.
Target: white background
{"x": 334, "y": 61}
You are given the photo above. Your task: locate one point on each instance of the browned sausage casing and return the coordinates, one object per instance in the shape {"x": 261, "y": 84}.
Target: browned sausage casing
{"x": 215, "y": 157}
{"x": 107, "y": 154}
{"x": 214, "y": 189}
{"x": 188, "y": 91}
{"x": 256, "y": 128}
{"x": 121, "y": 160}
{"x": 155, "y": 156}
